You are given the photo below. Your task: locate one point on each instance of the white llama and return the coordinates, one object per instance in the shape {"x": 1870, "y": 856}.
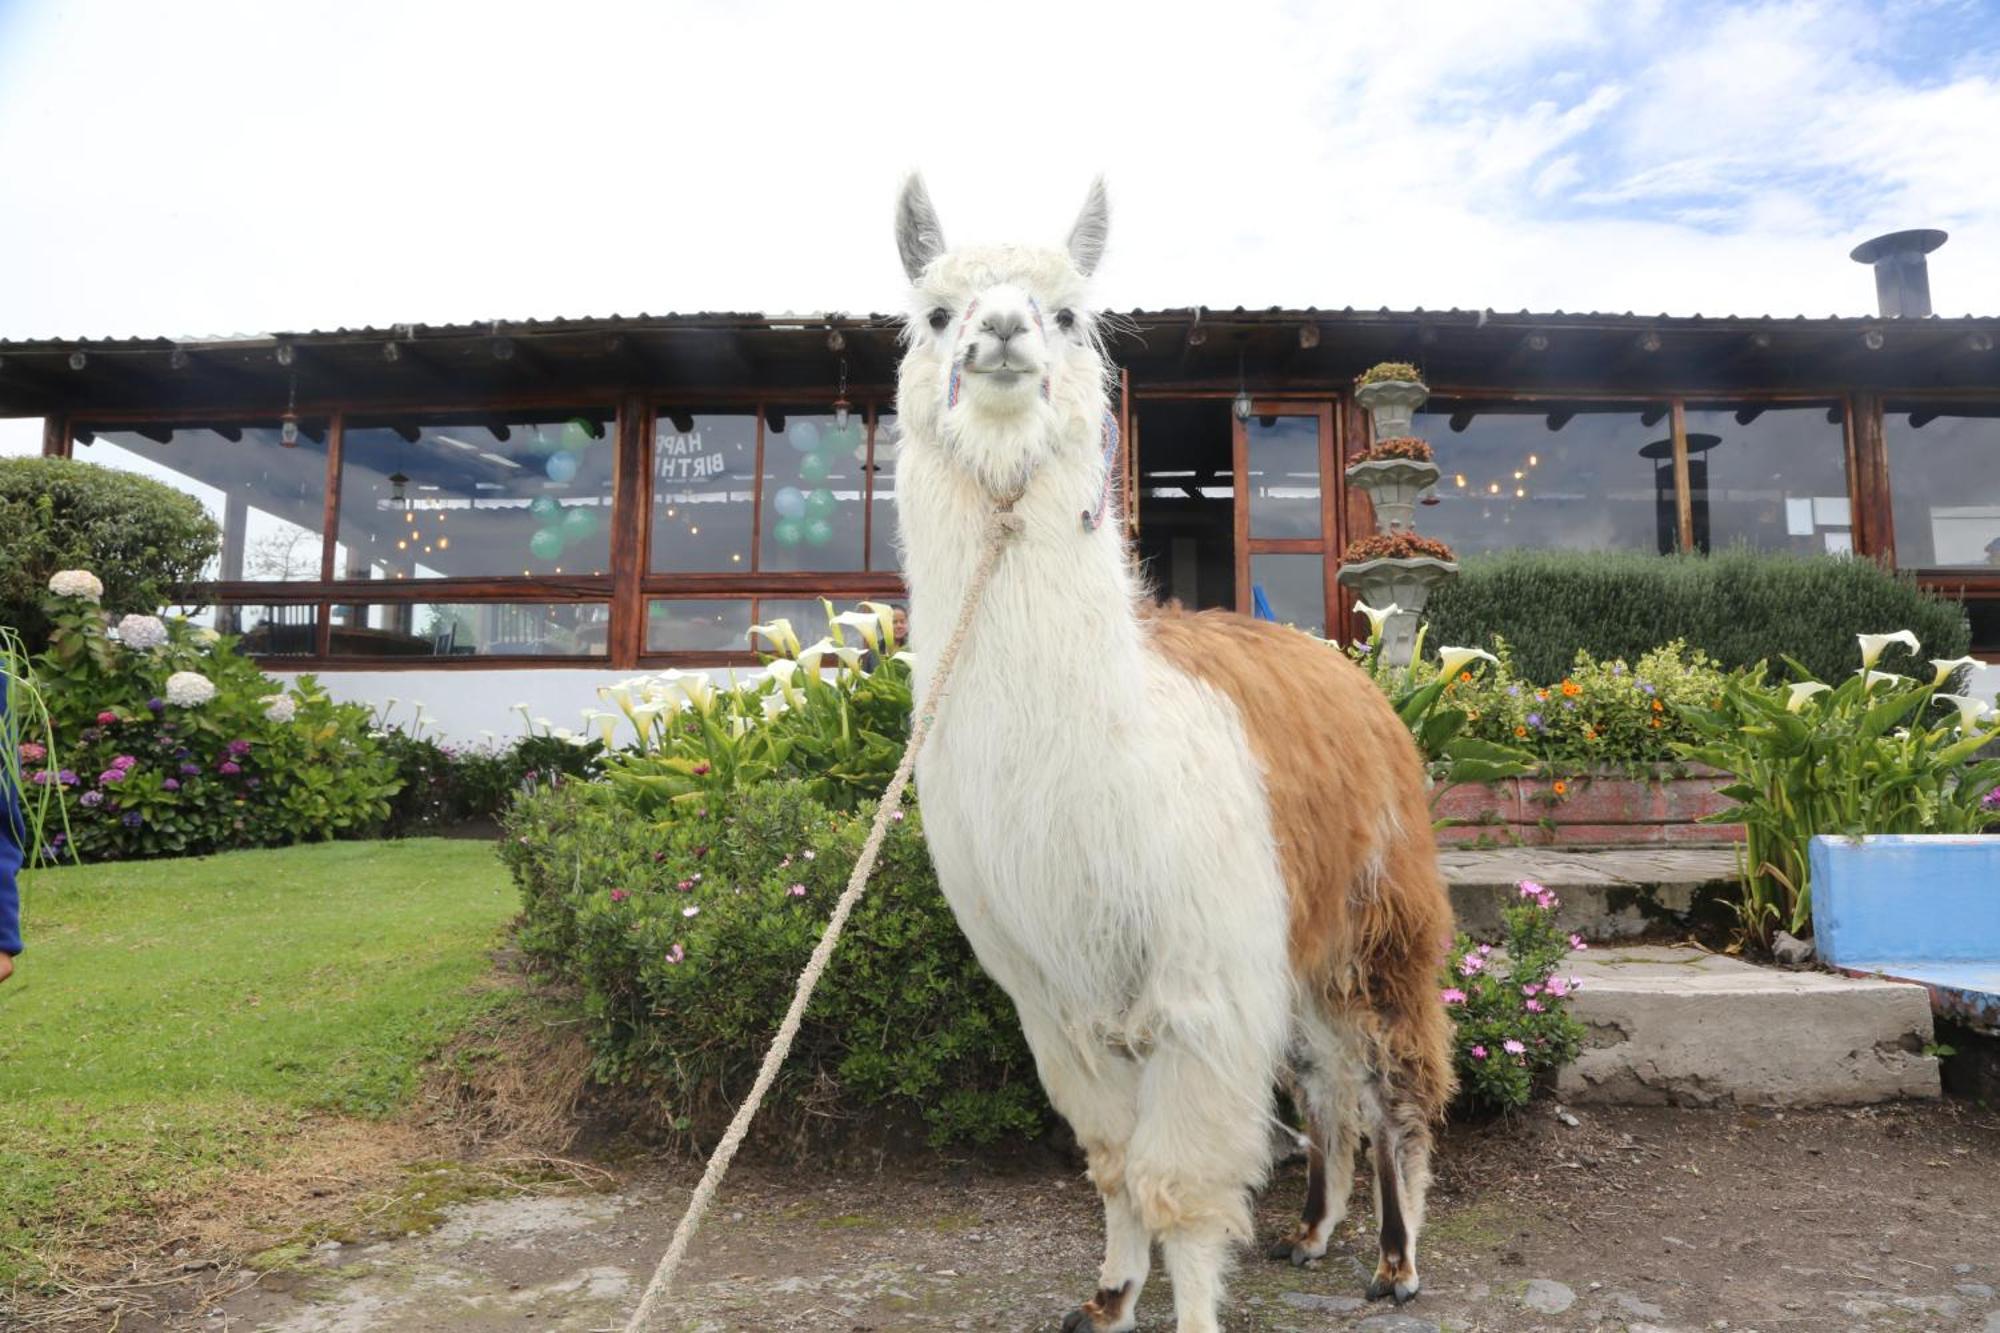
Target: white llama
{"x": 1194, "y": 849}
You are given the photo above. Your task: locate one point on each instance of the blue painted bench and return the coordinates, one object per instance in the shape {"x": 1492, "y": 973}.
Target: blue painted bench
{"x": 1919, "y": 908}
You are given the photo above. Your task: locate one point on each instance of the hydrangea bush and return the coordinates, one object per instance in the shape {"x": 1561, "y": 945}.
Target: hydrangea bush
{"x": 165, "y": 742}
{"x": 1510, "y": 1004}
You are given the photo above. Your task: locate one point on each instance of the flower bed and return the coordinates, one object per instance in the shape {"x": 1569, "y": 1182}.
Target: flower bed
{"x": 1660, "y": 807}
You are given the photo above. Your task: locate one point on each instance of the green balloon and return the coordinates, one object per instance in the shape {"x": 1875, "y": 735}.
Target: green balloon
{"x": 813, "y": 468}
{"x": 841, "y": 441}
{"x": 578, "y": 434}
{"x": 788, "y": 531}
{"x": 544, "y": 507}
{"x": 821, "y": 504}
{"x": 819, "y": 532}
{"x": 547, "y": 544}
{"x": 578, "y": 522}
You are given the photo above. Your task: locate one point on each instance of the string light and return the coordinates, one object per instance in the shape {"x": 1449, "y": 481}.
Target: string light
{"x": 1532, "y": 460}
{"x": 1520, "y": 492}
{"x": 1493, "y": 488}
{"x": 1460, "y": 479}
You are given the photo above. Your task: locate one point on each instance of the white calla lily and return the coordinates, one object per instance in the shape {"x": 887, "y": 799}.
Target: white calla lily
{"x": 781, "y": 635}
{"x": 1803, "y": 690}
{"x": 906, "y": 657}
{"x": 867, "y": 626}
{"x": 1378, "y": 616}
{"x": 885, "y": 616}
{"x": 1451, "y": 661}
{"x": 1971, "y": 711}
{"x": 1945, "y": 668}
{"x": 772, "y": 704}
{"x": 606, "y": 723}
{"x": 1881, "y": 678}
{"x": 1873, "y": 645}
{"x": 810, "y": 656}
{"x": 739, "y": 727}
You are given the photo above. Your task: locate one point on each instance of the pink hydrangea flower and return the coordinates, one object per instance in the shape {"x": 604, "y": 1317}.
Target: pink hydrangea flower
{"x": 124, "y": 762}
{"x": 32, "y": 753}
{"x": 675, "y": 954}
{"x": 230, "y": 766}
{"x": 1479, "y": 1052}
{"x": 1452, "y": 995}
{"x": 107, "y": 718}
{"x": 1512, "y": 1047}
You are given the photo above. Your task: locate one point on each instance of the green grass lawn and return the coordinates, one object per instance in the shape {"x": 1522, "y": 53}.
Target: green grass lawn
{"x": 172, "y": 1020}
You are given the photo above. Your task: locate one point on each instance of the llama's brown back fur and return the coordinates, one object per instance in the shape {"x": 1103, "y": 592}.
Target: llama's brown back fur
{"x": 1347, "y": 801}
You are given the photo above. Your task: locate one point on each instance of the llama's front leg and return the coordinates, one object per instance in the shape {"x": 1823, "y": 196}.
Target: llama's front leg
{"x": 1128, "y": 1258}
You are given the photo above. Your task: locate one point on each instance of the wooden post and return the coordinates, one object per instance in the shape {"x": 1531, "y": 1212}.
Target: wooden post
{"x": 630, "y": 506}
{"x": 55, "y": 437}
{"x": 1683, "y": 492}
{"x": 1874, "y": 518}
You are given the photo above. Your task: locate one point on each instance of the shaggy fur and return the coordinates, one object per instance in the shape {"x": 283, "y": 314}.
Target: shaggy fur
{"x": 1193, "y": 849}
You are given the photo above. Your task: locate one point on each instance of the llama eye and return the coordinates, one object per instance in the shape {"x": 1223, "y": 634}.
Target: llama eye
{"x": 939, "y": 318}
{"x": 1065, "y": 319}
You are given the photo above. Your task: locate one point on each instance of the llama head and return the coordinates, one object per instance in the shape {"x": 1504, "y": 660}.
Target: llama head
{"x": 1003, "y": 366}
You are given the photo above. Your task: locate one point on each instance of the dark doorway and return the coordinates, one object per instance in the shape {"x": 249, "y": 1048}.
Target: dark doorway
{"x": 1187, "y": 502}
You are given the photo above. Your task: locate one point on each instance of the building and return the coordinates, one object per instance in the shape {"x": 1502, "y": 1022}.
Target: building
{"x": 478, "y": 514}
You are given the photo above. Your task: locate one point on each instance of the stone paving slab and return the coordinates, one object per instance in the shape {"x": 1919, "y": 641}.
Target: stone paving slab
{"x": 1680, "y": 1026}
{"x": 1607, "y": 894}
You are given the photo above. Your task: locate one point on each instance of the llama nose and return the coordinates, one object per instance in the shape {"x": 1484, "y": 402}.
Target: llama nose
{"x": 1004, "y": 324}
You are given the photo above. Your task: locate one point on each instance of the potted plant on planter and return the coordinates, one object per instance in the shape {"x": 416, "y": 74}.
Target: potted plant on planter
{"x": 1392, "y": 391}
{"x": 1394, "y": 472}
{"x": 1397, "y": 570}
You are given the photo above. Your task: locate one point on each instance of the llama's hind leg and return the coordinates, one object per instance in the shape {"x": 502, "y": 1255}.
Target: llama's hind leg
{"x": 1399, "y": 1135}
{"x": 1333, "y": 1128}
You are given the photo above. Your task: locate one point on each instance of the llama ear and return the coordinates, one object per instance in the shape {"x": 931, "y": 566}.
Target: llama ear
{"x": 919, "y": 238}
{"x": 1086, "y": 238}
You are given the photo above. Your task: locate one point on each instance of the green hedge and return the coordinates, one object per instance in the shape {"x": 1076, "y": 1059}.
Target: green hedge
{"x": 687, "y": 937}
{"x": 1739, "y": 606}
{"x": 144, "y": 539}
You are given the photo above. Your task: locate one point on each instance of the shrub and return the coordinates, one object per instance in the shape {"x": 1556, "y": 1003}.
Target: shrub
{"x": 1510, "y": 1008}
{"x": 444, "y": 786}
{"x": 688, "y": 936}
{"x": 183, "y": 746}
{"x": 1396, "y": 546}
{"x": 1873, "y": 754}
{"x": 1397, "y": 446}
{"x": 1389, "y": 370}
{"x": 145, "y": 538}
{"x": 1739, "y": 606}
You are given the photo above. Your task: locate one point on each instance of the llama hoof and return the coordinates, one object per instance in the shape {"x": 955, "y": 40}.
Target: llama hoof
{"x": 1293, "y": 1253}
{"x": 1106, "y": 1312}
{"x": 1081, "y": 1320}
{"x": 1400, "y": 1290}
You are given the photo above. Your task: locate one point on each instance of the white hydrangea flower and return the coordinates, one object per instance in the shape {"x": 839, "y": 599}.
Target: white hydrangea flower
{"x": 142, "y": 632}
{"x": 189, "y": 689}
{"x": 280, "y": 708}
{"x": 206, "y": 636}
{"x": 76, "y": 583}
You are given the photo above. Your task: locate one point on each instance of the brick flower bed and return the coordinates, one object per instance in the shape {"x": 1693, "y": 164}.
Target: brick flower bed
{"x": 1590, "y": 810}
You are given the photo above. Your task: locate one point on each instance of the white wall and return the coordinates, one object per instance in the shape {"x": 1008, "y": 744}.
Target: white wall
{"x": 460, "y": 704}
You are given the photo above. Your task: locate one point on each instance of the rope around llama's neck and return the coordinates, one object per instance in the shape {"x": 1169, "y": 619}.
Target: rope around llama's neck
{"x": 1003, "y": 524}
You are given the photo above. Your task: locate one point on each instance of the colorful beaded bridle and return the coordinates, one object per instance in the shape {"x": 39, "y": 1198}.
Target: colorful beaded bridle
{"x": 1093, "y": 516}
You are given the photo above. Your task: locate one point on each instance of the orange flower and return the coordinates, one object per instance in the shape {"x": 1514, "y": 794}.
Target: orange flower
{"x": 1520, "y": 731}
{"x": 1589, "y": 732}
{"x": 1541, "y": 694}
{"x": 1571, "y": 689}
{"x": 1656, "y": 724}
{"x": 1659, "y": 707}
{"x": 1560, "y": 788}
{"x": 1465, "y": 675}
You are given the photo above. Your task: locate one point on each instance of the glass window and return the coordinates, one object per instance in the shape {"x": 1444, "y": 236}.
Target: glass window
{"x": 704, "y": 491}
{"x": 1290, "y": 589}
{"x": 697, "y": 624}
{"x": 1772, "y": 477}
{"x": 882, "y": 526}
{"x": 1284, "y": 476}
{"x": 476, "y": 629}
{"x": 1984, "y": 615}
{"x": 273, "y": 629}
{"x": 813, "y": 491}
{"x": 1944, "y": 480}
{"x": 476, "y": 494}
{"x": 1563, "y": 475}
{"x": 269, "y": 498}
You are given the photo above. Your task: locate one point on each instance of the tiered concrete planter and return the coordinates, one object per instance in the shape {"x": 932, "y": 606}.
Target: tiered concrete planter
{"x": 1392, "y": 486}
{"x": 1594, "y": 810}
{"x": 1392, "y": 404}
{"x": 1408, "y": 584}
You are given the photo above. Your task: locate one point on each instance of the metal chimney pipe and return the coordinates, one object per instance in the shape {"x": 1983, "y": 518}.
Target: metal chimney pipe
{"x": 1902, "y": 276}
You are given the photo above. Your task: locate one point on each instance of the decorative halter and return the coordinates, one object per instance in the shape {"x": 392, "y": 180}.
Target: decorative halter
{"x": 1093, "y": 516}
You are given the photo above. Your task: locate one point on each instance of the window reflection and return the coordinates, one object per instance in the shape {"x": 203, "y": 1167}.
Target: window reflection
{"x": 1284, "y": 476}
{"x": 1771, "y": 477}
{"x": 476, "y": 629}
{"x": 704, "y": 491}
{"x": 882, "y": 523}
{"x": 277, "y": 629}
{"x": 1944, "y": 477}
{"x": 476, "y": 495}
{"x": 697, "y": 624}
{"x": 268, "y": 498}
{"x": 813, "y": 491}
{"x": 1581, "y": 476}
{"x": 1290, "y": 589}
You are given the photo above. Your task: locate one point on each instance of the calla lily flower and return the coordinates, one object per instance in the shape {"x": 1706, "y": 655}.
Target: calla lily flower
{"x": 1945, "y": 668}
{"x": 607, "y": 723}
{"x": 885, "y": 615}
{"x": 739, "y": 727}
{"x": 1881, "y": 678}
{"x": 773, "y": 704}
{"x": 812, "y": 655}
{"x": 781, "y": 635}
{"x": 867, "y": 626}
{"x": 1378, "y": 616}
{"x": 695, "y": 685}
{"x": 1802, "y": 691}
{"x": 1453, "y": 660}
{"x": 1872, "y": 645}
{"x": 1971, "y": 711}
{"x": 906, "y": 657}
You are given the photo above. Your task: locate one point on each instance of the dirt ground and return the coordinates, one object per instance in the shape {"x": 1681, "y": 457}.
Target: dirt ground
{"x": 1638, "y": 1219}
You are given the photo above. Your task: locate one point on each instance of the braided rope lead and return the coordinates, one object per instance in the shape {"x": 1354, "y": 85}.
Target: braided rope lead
{"x": 1004, "y": 524}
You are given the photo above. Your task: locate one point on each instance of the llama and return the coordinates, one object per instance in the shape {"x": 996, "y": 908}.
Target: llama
{"x": 1193, "y": 848}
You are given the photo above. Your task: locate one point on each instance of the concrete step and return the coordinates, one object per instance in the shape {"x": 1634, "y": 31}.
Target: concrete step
{"x": 1682, "y": 1027}
{"x": 1607, "y": 893}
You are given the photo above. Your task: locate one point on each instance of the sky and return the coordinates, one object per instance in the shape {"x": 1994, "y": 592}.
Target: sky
{"x": 205, "y": 168}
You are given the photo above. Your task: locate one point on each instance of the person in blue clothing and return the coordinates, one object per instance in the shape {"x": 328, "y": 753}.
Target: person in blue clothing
{"x": 13, "y": 832}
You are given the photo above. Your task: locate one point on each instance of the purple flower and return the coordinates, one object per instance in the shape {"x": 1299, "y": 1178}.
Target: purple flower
{"x": 190, "y": 770}
{"x": 253, "y": 783}
{"x": 239, "y": 747}
{"x": 1514, "y": 690}
{"x": 124, "y": 763}
{"x": 1991, "y": 801}
{"x": 90, "y": 800}
{"x": 1646, "y": 687}
{"x": 110, "y": 776}
{"x": 1535, "y": 721}
{"x": 1570, "y": 704}
{"x": 230, "y": 767}
{"x": 156, "y": 706}
{"x": 41, "y": 778}
{"x": 67, "y": 777}
{"x": 133, "y": 819}
{"x": 171, "y": 784}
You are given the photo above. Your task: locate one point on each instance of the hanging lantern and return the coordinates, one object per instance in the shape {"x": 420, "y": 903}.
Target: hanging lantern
{"x": 399, "y": 489}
